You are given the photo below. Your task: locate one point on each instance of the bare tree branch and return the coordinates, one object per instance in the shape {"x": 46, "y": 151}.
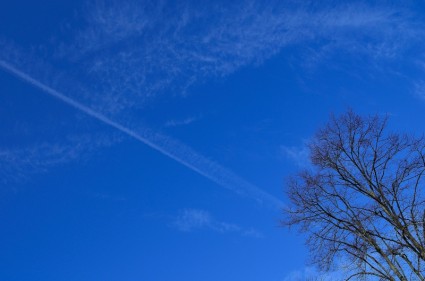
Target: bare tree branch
{"x": 364, "y": 199}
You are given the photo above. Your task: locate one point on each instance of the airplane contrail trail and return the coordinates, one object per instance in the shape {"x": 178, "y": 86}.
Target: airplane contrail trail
{"x": 163, "y": 144}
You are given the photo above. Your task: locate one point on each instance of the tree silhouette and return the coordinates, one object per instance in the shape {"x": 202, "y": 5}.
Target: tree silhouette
{"x": 362, "y": 201}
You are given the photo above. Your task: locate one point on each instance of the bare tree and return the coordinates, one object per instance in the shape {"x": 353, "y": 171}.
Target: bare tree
{"x": 362, "y": 201}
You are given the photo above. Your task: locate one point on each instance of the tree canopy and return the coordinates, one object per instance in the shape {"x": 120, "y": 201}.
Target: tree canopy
{"x": 362, "y": 199}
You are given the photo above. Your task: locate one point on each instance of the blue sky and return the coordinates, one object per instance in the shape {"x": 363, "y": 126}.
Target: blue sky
{"x": 150, "y": 140}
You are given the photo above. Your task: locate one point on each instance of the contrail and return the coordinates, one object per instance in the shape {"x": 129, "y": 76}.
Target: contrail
{"x": 163, "y": 144}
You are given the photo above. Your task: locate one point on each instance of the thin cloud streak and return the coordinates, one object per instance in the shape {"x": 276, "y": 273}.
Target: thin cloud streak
{"x": 177, "y": 123}
{"x": 18, "y": 164}
{"x": 194, "y": 219}
{"x": 165, "y": 145}
{"x": 299, "y": 155}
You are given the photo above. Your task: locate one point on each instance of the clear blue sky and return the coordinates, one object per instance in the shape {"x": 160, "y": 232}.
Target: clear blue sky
{"x": 151, "y": 140}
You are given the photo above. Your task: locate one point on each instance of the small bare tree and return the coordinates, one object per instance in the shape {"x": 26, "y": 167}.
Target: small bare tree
{"x": 362, "y": 201}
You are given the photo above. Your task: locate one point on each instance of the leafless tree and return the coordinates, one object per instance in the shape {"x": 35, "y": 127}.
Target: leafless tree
{"x": 362, "y": 201}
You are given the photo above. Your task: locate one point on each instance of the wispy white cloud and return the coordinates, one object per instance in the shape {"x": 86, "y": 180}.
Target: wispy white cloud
{"x": 310, "y": 273}
{"x": 19, "y": 163}
{"x": 181, "y": 122}
{"x": 137, "y": 50}
{"x": 133, "y": 51}
{"x": 419, "y": 89}
{"x": 194, "y": 219}
{"x": 300, "y": 155}
{"x": 165, "y": 145}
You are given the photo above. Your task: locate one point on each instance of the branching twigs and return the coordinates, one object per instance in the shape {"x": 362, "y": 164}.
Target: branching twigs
{"x": 364, "y": 200}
